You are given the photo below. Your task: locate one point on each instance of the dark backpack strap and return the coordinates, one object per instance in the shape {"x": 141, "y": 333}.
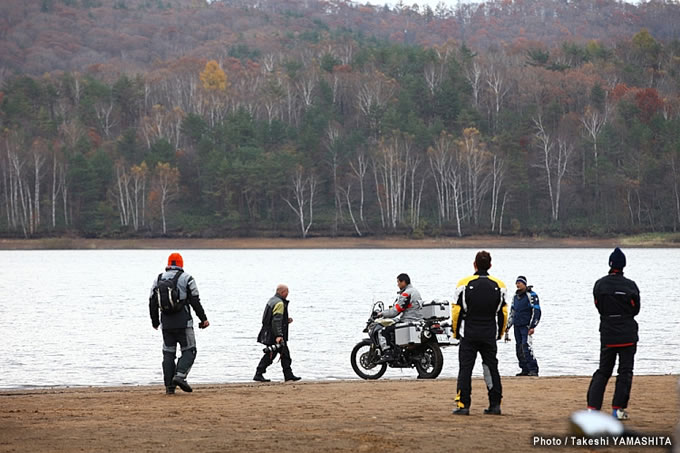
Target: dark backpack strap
{"x": 175, "y": 279}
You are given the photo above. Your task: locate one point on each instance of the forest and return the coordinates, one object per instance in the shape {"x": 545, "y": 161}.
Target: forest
{"x": 299, "y": 118}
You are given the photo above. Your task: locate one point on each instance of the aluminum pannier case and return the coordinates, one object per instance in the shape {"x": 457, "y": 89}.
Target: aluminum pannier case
{"x": 436, "y": 310}
{"x": 407, "y": 333}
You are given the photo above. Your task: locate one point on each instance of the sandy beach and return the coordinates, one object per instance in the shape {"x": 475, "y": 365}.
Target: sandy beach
{"x": 358, "y": 416}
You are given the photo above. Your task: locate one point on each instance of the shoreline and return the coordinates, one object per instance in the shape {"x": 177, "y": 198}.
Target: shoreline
{"x": 308, "y": 417}
{"x": 30, "y": 390}
{"x": 65, "y": 243}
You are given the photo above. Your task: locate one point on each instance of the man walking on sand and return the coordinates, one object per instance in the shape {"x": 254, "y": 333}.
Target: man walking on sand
{"x": 274, "y": 334}
{"x": 479, "y": 319}
{"x": 173, "y": 292}
{"x": 618, "y": 301}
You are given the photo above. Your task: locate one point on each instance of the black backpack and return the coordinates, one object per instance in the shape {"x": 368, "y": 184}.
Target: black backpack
{"x": 167, "y": 294}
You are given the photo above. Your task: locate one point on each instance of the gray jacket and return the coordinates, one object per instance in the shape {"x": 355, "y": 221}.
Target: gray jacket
{"x": 408, "y": 305}
{"x": 188, "y": 291}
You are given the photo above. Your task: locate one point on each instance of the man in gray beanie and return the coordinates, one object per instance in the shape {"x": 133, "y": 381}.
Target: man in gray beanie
{"x": 618, "y": 301}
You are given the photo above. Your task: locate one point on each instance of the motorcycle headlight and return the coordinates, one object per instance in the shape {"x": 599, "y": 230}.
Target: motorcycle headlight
{"x": 427, "y": 334}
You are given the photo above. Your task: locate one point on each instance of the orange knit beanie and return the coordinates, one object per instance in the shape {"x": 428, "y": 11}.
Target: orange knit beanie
{"x": 175, "y": 259}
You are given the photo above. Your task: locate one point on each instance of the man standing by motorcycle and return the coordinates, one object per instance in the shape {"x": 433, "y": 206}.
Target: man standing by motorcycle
{"x": 479, "y": 319}
{"x": 408, "y": 305}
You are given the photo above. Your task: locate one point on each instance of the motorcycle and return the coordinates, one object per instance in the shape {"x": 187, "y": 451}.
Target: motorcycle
{"x": 420, "y": 346}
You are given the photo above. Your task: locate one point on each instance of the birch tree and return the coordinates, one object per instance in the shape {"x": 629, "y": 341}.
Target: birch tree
{"x": 375, "y": 91}
{"x": 593, "y": 122}
{"x": 555, "y": 154}
{"x": 39, "y": 157}
{"x": 347, "y": 194}
{"x": 498, "y": 85}
{"x": 359, "y": 168}
{"x": 445, "y": 165}
{"x": 497, "y": 179}
{"x": 57, "y": 181}
{"x": 391, "y": 173}
{"x": 332, "y": 144}
{"x": 302, "y": 191}
{"x": 166, "y": 180}
{"x": 476, "y": 158}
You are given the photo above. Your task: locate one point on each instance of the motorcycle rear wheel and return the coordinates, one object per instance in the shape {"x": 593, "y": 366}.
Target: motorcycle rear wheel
{"x": 363, "y": 362}
{"x": 431, "y": 363}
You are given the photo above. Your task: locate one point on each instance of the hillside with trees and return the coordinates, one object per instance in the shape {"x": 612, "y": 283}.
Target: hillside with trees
{"x": 139, "y": 118}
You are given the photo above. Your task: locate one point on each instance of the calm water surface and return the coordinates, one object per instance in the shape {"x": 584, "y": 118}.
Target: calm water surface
{"x": 75, "y": 318}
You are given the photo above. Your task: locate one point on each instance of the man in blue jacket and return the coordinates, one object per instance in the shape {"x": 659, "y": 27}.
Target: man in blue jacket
{"x": 525, "y": 314}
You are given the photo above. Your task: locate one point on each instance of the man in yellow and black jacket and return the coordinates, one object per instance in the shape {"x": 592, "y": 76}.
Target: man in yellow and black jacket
{"x": 480, "y": 317}
{"x": 274, "y": 334}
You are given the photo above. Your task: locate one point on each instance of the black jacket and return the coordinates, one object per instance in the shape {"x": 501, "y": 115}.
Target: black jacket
{"x": 274, "y": 321}
{"x": 480, "y": 313}
{"x": 618, "y": 301}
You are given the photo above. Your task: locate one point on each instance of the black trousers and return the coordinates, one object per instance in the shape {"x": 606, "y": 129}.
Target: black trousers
{"x": 467, "y": 354}
{"x": 387, "y": 333}
{"x": 187, "y": 342}
{"x": 624, "y": 380}
{"x": 267, "y": 359}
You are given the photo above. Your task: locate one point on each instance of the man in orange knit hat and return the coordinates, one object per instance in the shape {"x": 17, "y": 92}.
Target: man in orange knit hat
{"x": 172, "y": 292}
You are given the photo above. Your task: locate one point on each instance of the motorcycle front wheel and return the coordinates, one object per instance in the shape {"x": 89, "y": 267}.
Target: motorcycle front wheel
{"x": 364, "y": 361}
{"x": 431, "y": 362}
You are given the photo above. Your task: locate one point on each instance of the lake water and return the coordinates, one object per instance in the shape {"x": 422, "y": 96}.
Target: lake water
{"x": 76, "y": 318}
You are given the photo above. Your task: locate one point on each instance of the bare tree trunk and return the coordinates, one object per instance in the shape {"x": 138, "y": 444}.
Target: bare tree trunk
{"x": 415, "y": 198}
{"x": 165, "y": 230}
{"x": 418, "y": 202}
{"x": 144, "y": 202}
{"x": 675, "y": 188}
{"x": 456, "y": 201}
{"x": 122, "y": 206}
{"x": 38, "y": 162}
{"x": 498, "y": 173}
{"x": 500, "y": 222}
{"x": 64, "y": 192}
{"x": 476, "y": 159}
{"x": 349, "y": 208}
{"x": 392, "y": 164}
{"x": 443, "y": 157}
{"x": 6, "y": 194}
{"x": 473, "y": 74}
{"x": 300, "y": 198}
{"x": 167, "y": 185}
{"x": 565, "y": 149}
{"x": 333, "y": 135}
{"x": 377, "y": 192}
{"x": 360, "y": 172}
{"x": 54, "y": 190}
{"x": 630, "y": 208}
{"x": 496, "y": 81}
{"x": 593, "y": 121}
{"x": 547, "y": 146}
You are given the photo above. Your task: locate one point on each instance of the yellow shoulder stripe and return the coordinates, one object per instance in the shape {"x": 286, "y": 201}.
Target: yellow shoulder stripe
{"x": 278, "y": 308}
{"x": 466, "y": 280}
{"x": 498, "y": 281}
